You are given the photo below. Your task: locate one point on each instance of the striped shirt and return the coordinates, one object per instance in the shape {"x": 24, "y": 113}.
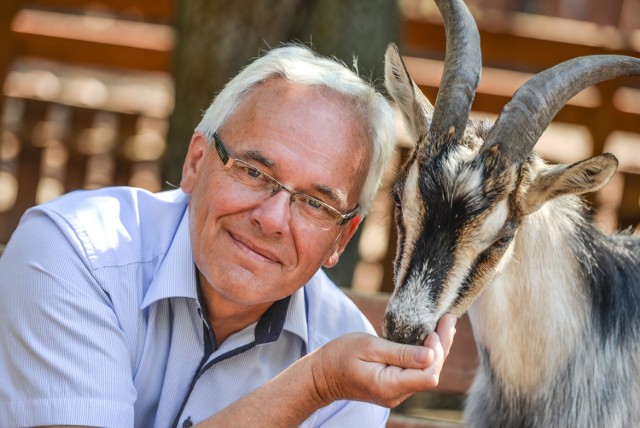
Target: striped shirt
{"x": 101, "y": 325}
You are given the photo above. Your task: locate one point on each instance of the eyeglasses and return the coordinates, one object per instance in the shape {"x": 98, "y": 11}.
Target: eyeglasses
{"x": 259, "y": 184}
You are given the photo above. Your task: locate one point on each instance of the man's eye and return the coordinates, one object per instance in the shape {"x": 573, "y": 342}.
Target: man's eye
{"x": 314, "y": 203}
{"x": 253, "y": 172}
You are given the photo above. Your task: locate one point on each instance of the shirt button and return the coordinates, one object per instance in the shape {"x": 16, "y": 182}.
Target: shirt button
{"x": 187, "y": 423}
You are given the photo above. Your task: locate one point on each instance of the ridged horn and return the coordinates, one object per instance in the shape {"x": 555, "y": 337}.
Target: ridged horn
{"x": 535, "y": 104}
{"x": 461, "y": 74}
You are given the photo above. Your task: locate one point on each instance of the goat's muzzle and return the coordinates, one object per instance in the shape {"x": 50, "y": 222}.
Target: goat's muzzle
{"x": 399, "y": 332}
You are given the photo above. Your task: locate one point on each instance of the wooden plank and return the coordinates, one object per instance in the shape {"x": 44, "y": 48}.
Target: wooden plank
{"x": 401, "y": 421}
{"x": 629, "y": 211}
{"x": 124, "y": 165}
{"x": 8, "y": 9}
{"x": 94, "y": 54}
{"x": 80, "y": 121}
{"x": 519, "y": 41}
{"x": 95, "y": 29}
{"x": 68, "y": 39}
{"x": 158, "y": 10}
{"x": 28, "y": 167}
{"x": 605, "y": 13}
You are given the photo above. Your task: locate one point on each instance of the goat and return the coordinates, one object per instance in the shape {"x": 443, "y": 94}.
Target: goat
{"x": 486, "y": 226}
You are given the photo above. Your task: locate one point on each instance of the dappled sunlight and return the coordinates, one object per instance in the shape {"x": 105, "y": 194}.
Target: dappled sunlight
{"x": 68, "y": 128}
{"x": 626, "y": 147}
{"x": 8, "y": 190}
{"x": 565, "y": 143}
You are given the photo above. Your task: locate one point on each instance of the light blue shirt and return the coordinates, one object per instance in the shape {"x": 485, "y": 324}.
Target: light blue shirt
{"x": 100, "y": 322}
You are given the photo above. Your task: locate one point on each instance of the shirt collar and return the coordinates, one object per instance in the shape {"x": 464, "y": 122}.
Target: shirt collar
{"x": 176, "y": 277}
{"x": 176, "y": 274}
{"x": 296, "y": 321}
{"x": 287, "y": 314}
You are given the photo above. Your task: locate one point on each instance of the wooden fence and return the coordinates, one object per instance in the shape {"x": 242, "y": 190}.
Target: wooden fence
{"x": 64, "y": 129}
{"x": 51, "y": 145}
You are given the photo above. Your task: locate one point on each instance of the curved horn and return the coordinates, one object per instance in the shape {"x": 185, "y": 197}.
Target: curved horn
{"x": 536, "y": 103}
{"x": 461, "y": 73}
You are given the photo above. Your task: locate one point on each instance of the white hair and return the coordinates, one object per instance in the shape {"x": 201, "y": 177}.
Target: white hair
{"x": 298, "y": 64}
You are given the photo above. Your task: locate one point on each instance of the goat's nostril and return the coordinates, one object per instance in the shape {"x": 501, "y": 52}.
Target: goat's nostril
{"x": 415, "y": 337}
{"x": 400, "y": 333}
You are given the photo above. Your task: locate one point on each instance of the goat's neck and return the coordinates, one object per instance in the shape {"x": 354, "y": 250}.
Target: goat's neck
{"x": 529, "y": 317}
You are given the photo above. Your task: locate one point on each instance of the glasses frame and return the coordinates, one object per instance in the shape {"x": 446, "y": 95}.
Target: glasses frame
{"x": 228, "y": 161}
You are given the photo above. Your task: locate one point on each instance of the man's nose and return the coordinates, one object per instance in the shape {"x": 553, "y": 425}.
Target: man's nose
{"x": 274, "y": 213}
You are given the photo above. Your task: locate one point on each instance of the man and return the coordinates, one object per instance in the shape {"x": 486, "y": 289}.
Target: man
{"x": 206, "y": 305}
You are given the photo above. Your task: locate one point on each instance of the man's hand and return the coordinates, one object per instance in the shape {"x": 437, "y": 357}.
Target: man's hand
{"x": 356, "y": 367}
{"x": 367, "y": 368}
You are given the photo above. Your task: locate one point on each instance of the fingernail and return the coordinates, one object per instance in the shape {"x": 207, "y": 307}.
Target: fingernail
{"x": 423, "y": 354}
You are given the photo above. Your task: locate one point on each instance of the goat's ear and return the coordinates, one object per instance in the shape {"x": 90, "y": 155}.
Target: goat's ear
{"x": 415, "y": 107}
{"x": 581, "y": 177}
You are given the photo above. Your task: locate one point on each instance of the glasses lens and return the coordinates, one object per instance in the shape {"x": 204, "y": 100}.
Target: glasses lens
{"x": 250, "y": 176}
{"x": 260, "y": 185}
{"x": 314, "y": 211}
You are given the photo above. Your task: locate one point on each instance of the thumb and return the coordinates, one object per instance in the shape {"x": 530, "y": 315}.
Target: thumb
{"x": 405, "y": 356}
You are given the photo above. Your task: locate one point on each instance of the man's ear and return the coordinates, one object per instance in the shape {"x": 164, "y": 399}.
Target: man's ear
{"x": 198, "y": 148}
{"x": 342, "y": 241}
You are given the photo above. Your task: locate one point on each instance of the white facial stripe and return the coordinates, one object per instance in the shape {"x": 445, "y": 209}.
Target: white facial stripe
{"x": 454, "y": 280}
{"x": 414, "y": 306}
{"x": 471, "y": 246}
{"x": 411, "y": 215}
{"x": 456, "y": 158}
{"x": 411, "y": 200}
{"x": 461, "y": 177}
{"x": 468, "y": 181}
{"x": 493, "y": 223}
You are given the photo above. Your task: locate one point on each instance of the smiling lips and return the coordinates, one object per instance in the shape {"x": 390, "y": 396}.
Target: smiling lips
{"x": 255, "y": 251}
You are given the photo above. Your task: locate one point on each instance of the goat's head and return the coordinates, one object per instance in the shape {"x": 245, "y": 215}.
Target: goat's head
{"x": 466, "y": 186}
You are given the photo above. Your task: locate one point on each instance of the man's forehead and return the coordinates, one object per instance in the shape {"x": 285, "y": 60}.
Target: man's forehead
{"x": 335, "y": 136}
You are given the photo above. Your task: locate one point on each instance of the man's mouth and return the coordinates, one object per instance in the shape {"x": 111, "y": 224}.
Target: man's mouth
{"x": 255, "y": 251}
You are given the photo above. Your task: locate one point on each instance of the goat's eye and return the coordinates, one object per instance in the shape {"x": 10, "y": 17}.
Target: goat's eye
{"x": 396, "y": 199}
{"x": 254, "y": 172}
{"x": 502, "y": 241}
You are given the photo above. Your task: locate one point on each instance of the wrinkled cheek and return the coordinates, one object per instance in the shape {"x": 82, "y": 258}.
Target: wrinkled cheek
{"x": 202, "y": 231}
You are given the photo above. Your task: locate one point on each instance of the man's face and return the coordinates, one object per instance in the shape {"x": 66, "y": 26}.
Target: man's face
{"x": 253, "y": 252}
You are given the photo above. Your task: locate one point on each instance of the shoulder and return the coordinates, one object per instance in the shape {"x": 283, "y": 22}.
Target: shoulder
{"x": 330, "y": 312}
{"x": 112, "y": 225}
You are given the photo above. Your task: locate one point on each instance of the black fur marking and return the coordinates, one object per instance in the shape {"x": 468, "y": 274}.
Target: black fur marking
{"x": 400, "y": 228}
{"x": 445, "y": 217}
{"x": 611, "y": 271}
{"x": 486, "y": 260}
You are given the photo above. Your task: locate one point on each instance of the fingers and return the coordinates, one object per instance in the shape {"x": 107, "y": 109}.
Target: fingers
{"x": 433, "y": 371}
{"x": 440, "y": 342}
{"x": 446, "y": 330}
{"x": 369, "y": 368}
{"x": 403, "y": 356}
{"x": 376, "y": 370}
{"x": 410, "y": 368}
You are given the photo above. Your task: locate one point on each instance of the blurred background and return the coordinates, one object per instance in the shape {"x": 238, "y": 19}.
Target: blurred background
{"x": 99, "y": 93}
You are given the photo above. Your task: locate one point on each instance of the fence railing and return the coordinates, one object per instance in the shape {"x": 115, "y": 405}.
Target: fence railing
{"x": 50, "y": 146}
